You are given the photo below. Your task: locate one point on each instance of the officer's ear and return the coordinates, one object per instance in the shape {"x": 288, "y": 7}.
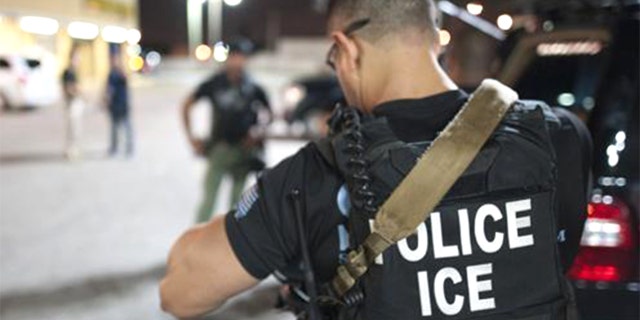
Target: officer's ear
{"x": 348, "y": 55}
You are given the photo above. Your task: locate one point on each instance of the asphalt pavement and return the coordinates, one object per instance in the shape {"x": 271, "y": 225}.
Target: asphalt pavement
{"x": 88, "y": 239}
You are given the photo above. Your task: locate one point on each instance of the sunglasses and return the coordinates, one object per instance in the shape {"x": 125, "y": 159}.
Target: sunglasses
{"x": 350, "y": 29}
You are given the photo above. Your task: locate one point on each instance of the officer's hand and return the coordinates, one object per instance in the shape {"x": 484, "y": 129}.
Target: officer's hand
{"x": 198, "y": 146}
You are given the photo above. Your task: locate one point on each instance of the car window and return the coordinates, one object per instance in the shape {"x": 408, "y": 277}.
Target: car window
{"x": 569, "y": 81}
{"x": 33, "y": 63}
{"x": 4, "y": 64}
{"x": 602, "y": 90}
{"x": 614, "y": 121}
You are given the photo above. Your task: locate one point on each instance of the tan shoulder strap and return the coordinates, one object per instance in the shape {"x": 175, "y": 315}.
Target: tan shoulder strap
{"x": 428, "y": 182}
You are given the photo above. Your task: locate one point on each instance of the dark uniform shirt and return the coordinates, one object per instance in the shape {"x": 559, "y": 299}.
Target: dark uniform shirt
{"x": 69, "y": 78}
{"x": 118, "y": 93}
{"x": 235, "y": 106}
{"x": 262, "y": 229}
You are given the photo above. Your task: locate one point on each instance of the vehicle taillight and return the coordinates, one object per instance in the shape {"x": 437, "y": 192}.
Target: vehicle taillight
{"x": 608, "y": 225}
{"x": 608, "y": 244}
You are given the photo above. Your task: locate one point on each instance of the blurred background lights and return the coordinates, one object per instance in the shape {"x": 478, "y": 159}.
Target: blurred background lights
{"x": 136, "y": 63}
{"x": 475, "y": 8}
{"x": 589, "y": 103}
{"x": 294, "y": 94}
{"x": 153, "y": 59}
{"x": 133, "y": 36}
{"x": 505, "y": 22}
{"x": 233, "y": 3}
{"x": 203, "y": 52}
{"x": 445, "y": 37}
{"x": 621, "y": 137}
{"x": 220, "y": 52}
{"x": 83, "y": 30}
{"x": 614, "y": 149}
{"x": 113, "y": 34}
{"x": 134, "y": 50}
{"x": 566, "y": 99}
{"x": 39, "y": 25}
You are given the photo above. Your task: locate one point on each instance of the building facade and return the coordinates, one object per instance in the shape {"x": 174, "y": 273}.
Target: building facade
{"x": 96, "y": 30}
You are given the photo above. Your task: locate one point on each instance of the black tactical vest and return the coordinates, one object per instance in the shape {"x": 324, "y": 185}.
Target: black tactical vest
{"x": 487, "y": 252}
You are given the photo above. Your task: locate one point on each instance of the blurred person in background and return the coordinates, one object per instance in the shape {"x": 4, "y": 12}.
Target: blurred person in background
{"x": 494, "y": 248}
{"x": 117, "y": 97}
{"x": 74, "y": 107}
{"x": 233, "y": 147}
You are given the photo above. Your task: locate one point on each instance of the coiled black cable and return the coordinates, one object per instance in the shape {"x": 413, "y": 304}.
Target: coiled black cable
{"x": 364, "y": 199}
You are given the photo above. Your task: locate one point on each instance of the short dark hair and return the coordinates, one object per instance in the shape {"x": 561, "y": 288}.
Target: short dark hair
{"x": 387, "y": 16}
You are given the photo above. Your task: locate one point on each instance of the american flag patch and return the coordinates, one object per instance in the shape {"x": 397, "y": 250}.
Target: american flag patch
{"x": 245, "y": 204}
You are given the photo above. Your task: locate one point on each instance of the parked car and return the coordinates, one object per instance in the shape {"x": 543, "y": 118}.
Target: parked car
{"x": 311, "y": 100}
{"x": 28, "y": 81}
{"x": 593, "y": 71}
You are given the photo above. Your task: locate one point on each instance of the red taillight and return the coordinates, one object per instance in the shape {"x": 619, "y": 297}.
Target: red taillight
{"x": 608, "y": 244}
{"x": 598, "y": 273}
{"x": 599, "y": 265}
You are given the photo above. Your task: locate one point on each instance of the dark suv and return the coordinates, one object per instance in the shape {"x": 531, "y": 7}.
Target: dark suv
{"x": 593, "y": 71}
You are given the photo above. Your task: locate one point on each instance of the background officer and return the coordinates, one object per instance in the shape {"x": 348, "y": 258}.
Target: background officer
{"x": 231, "y": 149}
{"x": 385, "y": 56}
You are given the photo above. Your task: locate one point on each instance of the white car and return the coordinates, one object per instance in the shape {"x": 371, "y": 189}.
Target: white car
{"x": 28, "y": 82}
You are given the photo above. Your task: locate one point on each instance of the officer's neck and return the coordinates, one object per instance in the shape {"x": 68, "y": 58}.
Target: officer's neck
{"x": 408, "y": 77}
{"x": 234, "y": 77}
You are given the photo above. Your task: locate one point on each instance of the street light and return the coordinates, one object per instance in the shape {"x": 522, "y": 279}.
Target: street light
{"x": 215, "y": 21}
{"x": 194, "y": 23}
{"x": 474, "y": 8}
{"x": 505, "y": 22}
{"x": 194, "y": 20}
{"x": 445, "y": 37}
{"x": 215, "y": 18}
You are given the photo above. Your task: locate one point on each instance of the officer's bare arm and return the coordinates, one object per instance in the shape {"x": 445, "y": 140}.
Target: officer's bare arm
{"x": 202, "y": 273}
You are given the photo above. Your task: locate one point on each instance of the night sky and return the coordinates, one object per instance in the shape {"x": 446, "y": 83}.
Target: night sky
{"x": 164, "y": 22}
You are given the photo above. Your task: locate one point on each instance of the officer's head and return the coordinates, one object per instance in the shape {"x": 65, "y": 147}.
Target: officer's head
{"x": 239, "y": 51}
{"x": 375, "y": 40}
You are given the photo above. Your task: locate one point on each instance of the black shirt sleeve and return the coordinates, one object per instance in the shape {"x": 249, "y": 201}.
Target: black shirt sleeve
{"x": 573, "y": 146}
{"x": 261, "y": 229}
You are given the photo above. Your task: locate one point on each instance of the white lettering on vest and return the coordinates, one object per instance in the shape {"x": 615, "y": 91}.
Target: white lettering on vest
{"x": 417, "y": 254}
{"x": 425, "y": 297}
{"x": 439, "y": 249}
{"x": 465, "y": 232}
{"x": 514, "y": 224}
{"x": 481, "y": 237}
{"x": 475, "y": 287}
{"x": 439, "y": 292}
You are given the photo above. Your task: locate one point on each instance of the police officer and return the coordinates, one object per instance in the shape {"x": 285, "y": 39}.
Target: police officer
{"x": 231, "y": 149}
{"x": 489, "y": 251}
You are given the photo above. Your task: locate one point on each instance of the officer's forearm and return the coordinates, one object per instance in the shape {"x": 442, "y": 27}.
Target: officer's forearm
{"x": 181, "y": 290}
{"x": 203, "y": 272}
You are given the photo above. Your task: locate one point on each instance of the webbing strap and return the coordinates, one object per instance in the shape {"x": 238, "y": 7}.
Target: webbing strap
{"x": 440, "y": 166}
